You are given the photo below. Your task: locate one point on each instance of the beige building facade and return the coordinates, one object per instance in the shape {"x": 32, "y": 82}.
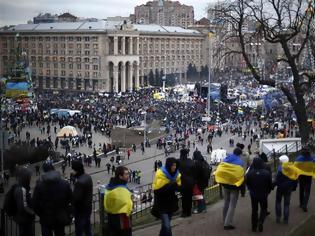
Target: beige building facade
{"x": 102, "y": 55}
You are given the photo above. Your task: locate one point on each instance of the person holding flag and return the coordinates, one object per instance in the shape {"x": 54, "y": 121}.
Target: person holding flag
{"x": 305, "y": 165}
{"x": 285, "y": 186}
{"x": 230, "y": 173}
{"x": 118, "y": 203}
{"x": 166, "y": 182}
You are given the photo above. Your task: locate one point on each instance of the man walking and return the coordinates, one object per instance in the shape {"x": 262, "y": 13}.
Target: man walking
{"x": 259, "y": 183}
{"x": 230, "y": 173}
{"x": 305, "y": 163}
{"x": 82, "y": 200}
{"x": 52, "y": 198}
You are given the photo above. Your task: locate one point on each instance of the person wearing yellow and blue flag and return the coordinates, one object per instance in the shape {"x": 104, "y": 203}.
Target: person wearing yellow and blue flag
{"x": 305, "y": 164}
{"x": 230, "y": 173}
{"x": 118, "y": 203}
{"x": 166, "y": 182}
{"x": 285, "y": 185}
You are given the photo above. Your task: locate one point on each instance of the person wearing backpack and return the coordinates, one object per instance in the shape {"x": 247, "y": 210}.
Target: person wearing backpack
{"x": 202, "y": 172}
{"x": 52, "y": 202}
{"x": 19, "y": 205}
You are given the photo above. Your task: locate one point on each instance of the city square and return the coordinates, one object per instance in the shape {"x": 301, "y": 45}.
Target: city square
{"x": 152, "y": 122}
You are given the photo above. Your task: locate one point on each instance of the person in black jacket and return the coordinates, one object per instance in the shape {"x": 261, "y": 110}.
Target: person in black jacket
{"x": 52, "y": 200}
{"x": 259, "y": 183}
{"x": 166, "y": 183}
{"x": 202, "y": 172}
{"x": 82, "y": 200}
{"x": 285, "y": 186}
{"x": 25, "y": 215}
{"x": 186, "y": 167}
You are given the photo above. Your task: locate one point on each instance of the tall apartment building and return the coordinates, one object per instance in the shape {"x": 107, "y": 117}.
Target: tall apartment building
{"x": 101, "y": 55}
{"x": 164, "y": 12}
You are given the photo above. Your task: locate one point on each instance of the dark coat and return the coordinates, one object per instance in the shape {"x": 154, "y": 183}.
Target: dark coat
{"x": 165, "y": 199}
{"x": 186, "y": 168}
{"x": 52, "y": 197}
{"x": 283, "y": 183}
{"x": 22, "y": 195}
{"x": 200, "y": 179}
{"x": 258, "y": 179}
{"x": 83, "y": 195}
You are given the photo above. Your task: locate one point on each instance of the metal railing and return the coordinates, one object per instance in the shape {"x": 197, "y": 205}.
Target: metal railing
{"x": 99, "y": 219}
{"x": 8, "y": 227}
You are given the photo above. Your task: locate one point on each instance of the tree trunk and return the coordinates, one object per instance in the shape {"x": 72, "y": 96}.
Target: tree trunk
{"x": 301, "y": 117}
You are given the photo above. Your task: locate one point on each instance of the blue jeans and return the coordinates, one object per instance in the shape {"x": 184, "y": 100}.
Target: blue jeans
{"x": 286, "y": 205}
{"x": 166, "y": 229}
{"x": 83, "y": 225}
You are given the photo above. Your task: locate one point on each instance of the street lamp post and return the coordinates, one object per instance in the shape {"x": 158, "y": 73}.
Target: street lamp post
{"x": 145, "y": 127}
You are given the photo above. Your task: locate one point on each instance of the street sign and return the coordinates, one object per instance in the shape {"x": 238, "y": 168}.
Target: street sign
{"x": 4, "y": 140}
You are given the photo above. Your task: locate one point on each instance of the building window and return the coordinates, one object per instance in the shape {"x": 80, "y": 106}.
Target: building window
{"x": 55, "y": 65}
{"x": 40, "y": 65}
{"x": 78, "y": 59}
{"x": 70, "y": 66}
{"x": 79, "y": 74}
{"x": 70, "y": 59}
{"x": 86, "y": 60}
{"x": 87, "y": 46}
{"x": 78, "y": 46}
{"x": 86, "y": 53}
{"x": 70, "y": 38}
{"x": 63, "y": 73}
{"x": 94, "y": 39}
{"x": 70, "y": 52}
{"x": 63, "y": 65}
{"x": 62, "y": 59}
{"x": 55, "y": 73}
{"x": 87, "y": 66}
{"x": 79, "y": 66}
{"x": 86, "y": 39}
{"x": 70, "y": 45}
{"x": 95, "y": 46}
{"x": 87, "y": 74}
{"x": 48, "y": 52}
{"x": 95, "y": 67}
{"x": 94, "y": 74}
{"x": 79, "y": 39}
{"x": 95, "y": 60}
{"x": 47, "y": 72}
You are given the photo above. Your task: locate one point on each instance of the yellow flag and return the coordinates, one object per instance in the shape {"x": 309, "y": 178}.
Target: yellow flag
{"x": 118, "y": 201}
{"x": 160, "y": 180}
{"x": 230, "y": 174}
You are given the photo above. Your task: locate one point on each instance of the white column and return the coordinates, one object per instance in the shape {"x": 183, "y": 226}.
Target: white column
{"x": 115, "y": 45}
{"x": 137, "y": 84}
{"x": 130, "y": 46}
{"x": 130, "y": 75}
{"x": 138, "y": 45}
{"x": 107, "y": 82}
{"x": 123, "y": 45}
{"x": 123, "y": 78}
{"x": 115, "y": 74}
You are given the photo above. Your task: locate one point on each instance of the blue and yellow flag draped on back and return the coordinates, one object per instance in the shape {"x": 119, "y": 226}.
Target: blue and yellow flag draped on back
{"x": 162, "y": 177}
{"x": 301, "y": 166}
{"x": 230, "y": 171}
{"x": 117, "y": 200}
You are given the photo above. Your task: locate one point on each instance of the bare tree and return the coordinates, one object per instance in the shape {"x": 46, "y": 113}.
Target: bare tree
{"x": 278, "y": 22}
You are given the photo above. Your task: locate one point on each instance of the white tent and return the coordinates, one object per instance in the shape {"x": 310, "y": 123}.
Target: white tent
{"x": 217, "y": 156}
{"x": 68, "y": 131}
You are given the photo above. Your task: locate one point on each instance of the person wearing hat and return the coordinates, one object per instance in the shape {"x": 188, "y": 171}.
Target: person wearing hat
{"x": 52, "y": 201}
{"x": 82, "y": 199}
{"x": 285, "y": 186}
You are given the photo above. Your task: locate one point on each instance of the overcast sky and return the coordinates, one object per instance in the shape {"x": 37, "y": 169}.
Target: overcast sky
{"x": 20, "y": 11}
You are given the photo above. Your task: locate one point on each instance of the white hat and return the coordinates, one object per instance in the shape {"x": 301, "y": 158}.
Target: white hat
{"x": 284, "y": 158}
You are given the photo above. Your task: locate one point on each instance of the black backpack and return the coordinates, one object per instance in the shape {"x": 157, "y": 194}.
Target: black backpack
{"x": 9, "y": 204}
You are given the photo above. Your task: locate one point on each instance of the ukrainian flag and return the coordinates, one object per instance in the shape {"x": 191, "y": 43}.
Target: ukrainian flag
{"x": 305, "y": 166}
{"x": 117, "y": 200}
{"x": 289, "y": 170}
{"x": 162, "y": 177}
{"x": 230, "y": 172}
